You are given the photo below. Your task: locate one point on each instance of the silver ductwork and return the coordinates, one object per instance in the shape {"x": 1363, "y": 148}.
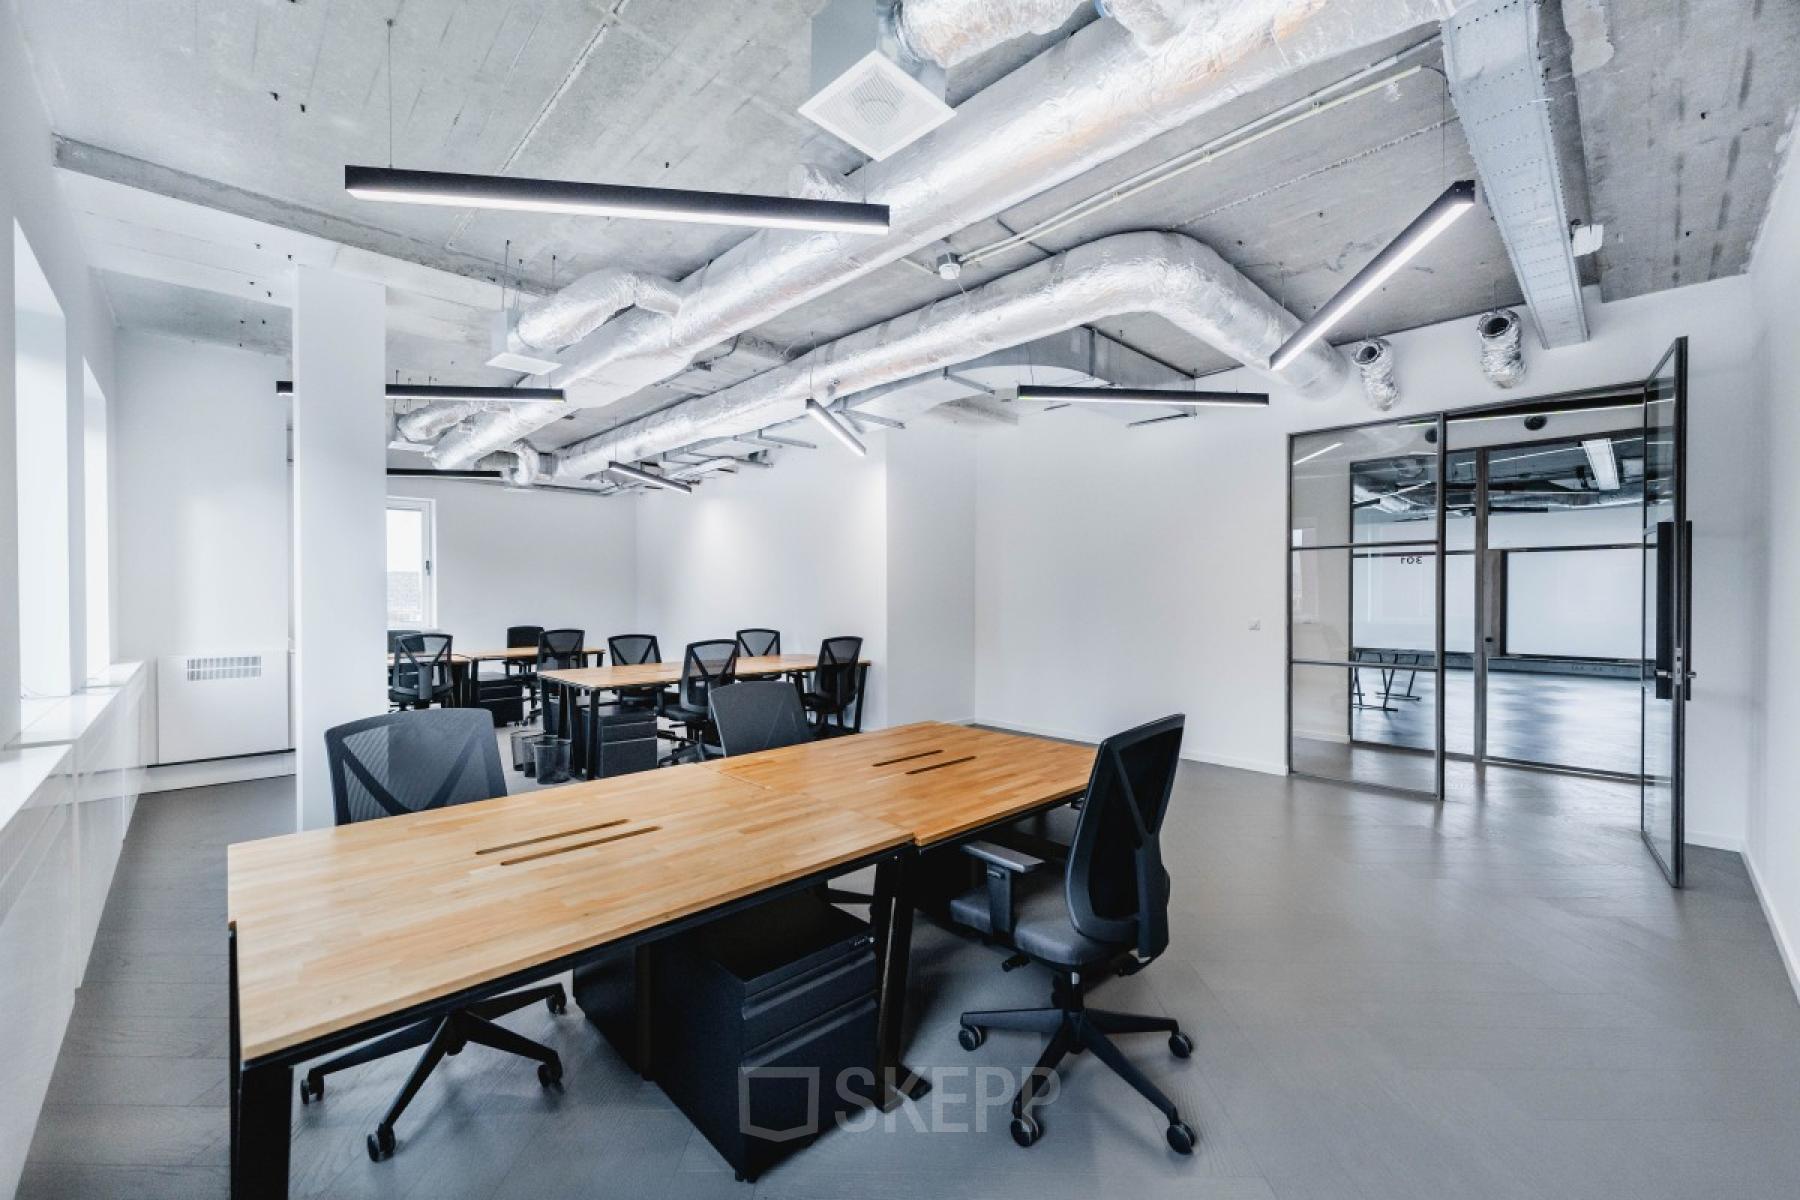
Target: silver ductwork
{"x": 582, "y": 307}
{"x": 1083, "y": 102}
{"x": 1165, "y": 274}
{"x": 1375, "y": 359}
{"x": 948, "y": 32}
{"x": 1502, "y": 355}
{"x": 520, "y": 464}
{"x": 431, "y": 420}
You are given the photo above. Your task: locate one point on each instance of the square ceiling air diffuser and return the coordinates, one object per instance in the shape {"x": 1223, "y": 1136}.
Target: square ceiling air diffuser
{"x": 867, "y": 90}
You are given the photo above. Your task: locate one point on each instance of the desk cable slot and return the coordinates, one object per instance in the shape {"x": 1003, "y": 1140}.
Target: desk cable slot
{"x": 551, "y": 837}
{"x": 888, "y": 762}
{"x": 599, "y": 841}
{"x": 940, "y": 766}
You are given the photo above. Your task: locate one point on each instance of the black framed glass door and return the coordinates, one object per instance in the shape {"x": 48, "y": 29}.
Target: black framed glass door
{"x": 1667, "y": 672}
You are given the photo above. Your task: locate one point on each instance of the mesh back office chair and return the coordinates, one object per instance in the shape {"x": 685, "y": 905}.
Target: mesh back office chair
{"x": 836, "y": 685}
{"x": 406, "y": 763}
{"x": 761, "y": 714}
{"x": 558, "y": 650}
{"x": 705, "y": 666}
{"x": 635, "y": 649}
{"x": 421, "y": 673}
{"x": 519, "y": 671}
{"x": 1112, "y": 908}
{"x": 759, "y": 643}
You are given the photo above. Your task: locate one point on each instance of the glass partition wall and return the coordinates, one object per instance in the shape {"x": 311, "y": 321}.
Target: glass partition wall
{"x": 1472, "y": 586}
{"x": 1366, "y": 577}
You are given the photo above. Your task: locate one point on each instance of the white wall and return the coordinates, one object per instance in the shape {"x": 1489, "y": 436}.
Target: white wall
{"x": 529, "y": 558}
{"x": 1160, "y": 552}
{"x": 931, "y": 495}
{"x": 1772, "y": 842}
{"x": 31, "y": 196}
{"x": 200, "y": 464}
{"x": 801, "y": 548}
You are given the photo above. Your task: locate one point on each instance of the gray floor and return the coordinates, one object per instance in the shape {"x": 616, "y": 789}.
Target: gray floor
{"x": 1498, "y": 997}
{"x": 1566, "y": 720}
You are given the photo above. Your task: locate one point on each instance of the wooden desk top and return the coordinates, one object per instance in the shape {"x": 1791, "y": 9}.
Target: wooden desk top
{"x": 454, "y": 658}
{"x": 657, "y": 674}
{"x": 935, "y": 781}
{"x": 337, "y": 927}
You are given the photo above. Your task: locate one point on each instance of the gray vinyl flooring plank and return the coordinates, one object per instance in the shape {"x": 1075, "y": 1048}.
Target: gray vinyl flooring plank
{"x": 1497, "y": 997}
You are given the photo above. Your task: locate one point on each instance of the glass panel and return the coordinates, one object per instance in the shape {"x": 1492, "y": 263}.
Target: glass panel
{"x": 405, "y": 568}
{"x": 1368, "y": 725}
{"x": 1573, "y": 492}
{"x": 1372, "y": 484}
{"x": 1663, "y": 644}
{"x": 1385, "y": 597}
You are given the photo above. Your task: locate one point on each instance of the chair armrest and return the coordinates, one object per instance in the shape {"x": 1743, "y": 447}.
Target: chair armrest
{"x": 1016, "y": 861}
{"x": 1000, "y": 864}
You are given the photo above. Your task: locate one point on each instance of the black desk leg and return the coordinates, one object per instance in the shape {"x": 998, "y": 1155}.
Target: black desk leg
{"x": 892, "y": 915}
{"x": 260, "y": 1144}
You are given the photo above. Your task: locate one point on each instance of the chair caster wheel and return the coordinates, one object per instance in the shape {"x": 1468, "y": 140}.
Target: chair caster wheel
{"x": 1026, "y": 1131}
{"x": 550, "y": 1074}
{"x": 311, "y": 1089}
{"x": 381, "y": 1143}
{"x": 970, "y": 1037}
{"x": 1181, "y": 1137}
{"x": 1180, "y": 1045}
{"x": 558, "y": 1003}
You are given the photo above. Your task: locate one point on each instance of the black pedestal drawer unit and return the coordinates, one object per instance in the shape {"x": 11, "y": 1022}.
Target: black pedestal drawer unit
{"x": 764, "y": 1028}
{"x": 620, "y": 742}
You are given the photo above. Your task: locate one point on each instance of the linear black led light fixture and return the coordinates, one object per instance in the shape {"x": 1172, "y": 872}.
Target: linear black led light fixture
{"x": 432, "y": 473}
{"x": 1457, "y": 199}
{"x": 625, "y": 471}
{"x": 456, "y": 190}
{"x": 1178, "y": 398}
{"x": 435, "y": 391}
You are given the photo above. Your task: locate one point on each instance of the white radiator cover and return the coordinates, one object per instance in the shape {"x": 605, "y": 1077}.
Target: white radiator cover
{"x": 221, "y": 705}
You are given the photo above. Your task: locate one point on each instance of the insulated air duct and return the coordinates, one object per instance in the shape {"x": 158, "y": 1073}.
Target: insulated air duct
{"x": 1166, "y": 274}
{"x": 1502, "y": 357}
{"x": 431, "y": 420}
{"x": 1083, "y": 102}
{"x": 518, "y": 463}
{"x": 589, "y": 302}
{"x": 1375, "y": 359}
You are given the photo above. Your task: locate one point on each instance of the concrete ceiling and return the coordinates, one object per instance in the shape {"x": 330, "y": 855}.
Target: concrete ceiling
{"x": 240, "y": 118}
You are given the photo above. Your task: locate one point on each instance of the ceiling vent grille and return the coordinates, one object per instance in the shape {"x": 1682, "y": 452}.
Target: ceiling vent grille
{"x": 868, "y": 91}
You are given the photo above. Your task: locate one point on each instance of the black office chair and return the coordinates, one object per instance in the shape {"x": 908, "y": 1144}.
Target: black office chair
{"x": 406, "y": 763}
{"x": 557, "y": 650}
{"x": 421, "y": 673}
{"x": 759, "y": 643}
{"x": 1110, "y": 913}
{"x": 705, "y": 666}
{"x": 759, "y": 714}
{"x": 836, "y": 686}
{"x": 634, "y": 649}
{"x": 396, "y": 634}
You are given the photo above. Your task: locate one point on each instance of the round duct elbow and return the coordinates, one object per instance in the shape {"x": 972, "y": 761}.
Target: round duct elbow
{"x": 591, "y": 301}
{"x": 519, "y": 464}
{"x": 431, "y": 421}
{"x": 1502, "y": 351}
{"x": 1375, "y": 359}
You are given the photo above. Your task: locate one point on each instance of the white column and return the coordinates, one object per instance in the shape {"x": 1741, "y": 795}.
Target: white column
{"x": 9, "y": 495}
{"x": 340, "y": 489}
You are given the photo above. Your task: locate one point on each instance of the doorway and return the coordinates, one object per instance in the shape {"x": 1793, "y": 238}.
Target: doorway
{"x": 1504, "y": 586}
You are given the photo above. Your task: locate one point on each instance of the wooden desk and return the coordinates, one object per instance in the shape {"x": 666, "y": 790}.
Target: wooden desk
{"x": 938, "y": 782}
{"x": 635, "y": 675}
{"x": 342, "y": 934}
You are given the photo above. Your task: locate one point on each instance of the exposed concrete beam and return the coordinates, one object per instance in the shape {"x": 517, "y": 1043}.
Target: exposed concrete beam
{"x": 100, "y": 163}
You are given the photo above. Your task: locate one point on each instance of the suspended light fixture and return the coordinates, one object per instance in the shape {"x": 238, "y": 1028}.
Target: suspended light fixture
{"x": 1457, "y": 199}
{"x": 432, "y": 391}
{"x": 456, "y": 190}
{"x": 1176, "y": 398}
{"x": 834, "y": 425}
{"x": 647, "y": 477}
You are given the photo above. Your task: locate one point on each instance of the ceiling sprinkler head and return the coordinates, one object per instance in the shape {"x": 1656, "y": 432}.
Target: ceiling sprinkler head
{"x": 949, "y": 267}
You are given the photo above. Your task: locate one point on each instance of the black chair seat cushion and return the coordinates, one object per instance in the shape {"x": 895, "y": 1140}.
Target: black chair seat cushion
{"x": 1041, "y": 926}
{"x": 817, "y": 703}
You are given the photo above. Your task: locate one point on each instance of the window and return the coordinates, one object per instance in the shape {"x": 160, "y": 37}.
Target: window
{"x": 411, "y": 587}
{"x": 95, "y": 466}
{"x": 42, "y": 429}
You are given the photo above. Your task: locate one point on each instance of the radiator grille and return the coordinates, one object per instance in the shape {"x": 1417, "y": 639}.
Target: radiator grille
{"x": 226, "y": 666}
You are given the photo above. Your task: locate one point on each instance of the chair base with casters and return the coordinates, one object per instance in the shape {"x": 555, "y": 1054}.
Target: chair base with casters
{"x": 448, "y": 1035}
{"x": 1071, "y": 1026}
